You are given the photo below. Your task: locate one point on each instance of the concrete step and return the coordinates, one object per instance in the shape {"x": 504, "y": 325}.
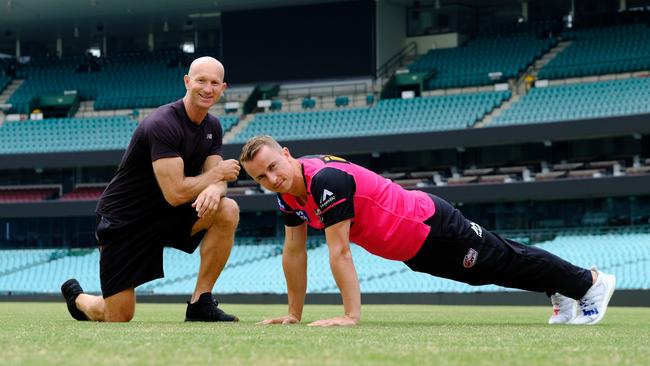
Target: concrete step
{"x": 243, "y": 123}
{"x": 497, "y": 111}
{"x": 10, "y": 89}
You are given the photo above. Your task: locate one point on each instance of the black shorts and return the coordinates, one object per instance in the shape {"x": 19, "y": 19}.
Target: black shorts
{"x": 131, "y": 253}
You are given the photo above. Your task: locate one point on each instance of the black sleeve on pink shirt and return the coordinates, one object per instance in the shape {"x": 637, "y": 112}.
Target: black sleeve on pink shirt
{"x": 290, "y": 216}
{"x": 333, "y": 190}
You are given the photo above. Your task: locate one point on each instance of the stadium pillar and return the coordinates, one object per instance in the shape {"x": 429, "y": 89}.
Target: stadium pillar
{"x": 622, "y": 5}
{"x": 59, "y": 47}
{"x": 17, "y": 47}
{"x": 150, "y": 42}
{"x": 524, "y": 10}
{"x": 104, "y": 48}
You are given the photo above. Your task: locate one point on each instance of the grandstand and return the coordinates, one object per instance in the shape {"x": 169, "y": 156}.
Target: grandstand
{"x": 579, "y": 101}
{"x": 602, "y": 50}
{"x": 255, "y": 267}
{"x": 532, "y": 126}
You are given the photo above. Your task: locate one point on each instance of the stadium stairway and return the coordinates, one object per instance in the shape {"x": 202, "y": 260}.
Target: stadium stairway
{"x": 237, "y": 128}
{"x": 497, "y": 111}
{"x": 10, "y": 89}
{"x": 548, "y": 57}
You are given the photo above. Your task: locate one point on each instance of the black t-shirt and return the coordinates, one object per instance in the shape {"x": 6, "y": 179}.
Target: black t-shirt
{"x": 167, "y": 132}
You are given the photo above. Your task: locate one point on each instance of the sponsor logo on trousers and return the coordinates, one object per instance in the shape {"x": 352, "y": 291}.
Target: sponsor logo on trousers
{"x": 470, "y": 258}
{"x": 477, "y": 229}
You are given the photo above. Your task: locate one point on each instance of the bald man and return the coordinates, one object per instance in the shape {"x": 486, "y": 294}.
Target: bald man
{"x": 169, "y": 190}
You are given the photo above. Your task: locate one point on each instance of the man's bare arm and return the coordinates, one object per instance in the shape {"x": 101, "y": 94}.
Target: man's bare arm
{"x": 294, "y": 264}
{"x": 178, "y": 189}
{"x": 345, "y": 275}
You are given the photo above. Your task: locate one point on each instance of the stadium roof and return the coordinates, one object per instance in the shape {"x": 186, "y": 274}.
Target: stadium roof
{"x": 29, "y": 18}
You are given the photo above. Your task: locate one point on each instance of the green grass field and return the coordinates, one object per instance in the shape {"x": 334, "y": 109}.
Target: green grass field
{"x": 43, "y": 333}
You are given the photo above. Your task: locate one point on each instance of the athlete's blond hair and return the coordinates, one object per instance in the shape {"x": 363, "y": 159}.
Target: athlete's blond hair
{"x": 254, "y": 144}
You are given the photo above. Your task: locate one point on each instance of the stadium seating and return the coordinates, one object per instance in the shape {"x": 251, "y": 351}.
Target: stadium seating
{"x": 73, "y": 134}
{"x": 4, "y": 81}
{"x": 124, "y": 81}
{"x": 17, "y": 259}
{"x": 19, "y": 194}
{"x": 472, "y": 64}
{"x": 66, "y": 134}
{"x": 255, "y": 266}
{"x": 389, "y": 116}
{"x": 84, "y": 193}
{"x": 228, "y": 122}
{"x": 596, "y": 51}
{"x": 43, "y": 276}
{"x": 579, "y": 101}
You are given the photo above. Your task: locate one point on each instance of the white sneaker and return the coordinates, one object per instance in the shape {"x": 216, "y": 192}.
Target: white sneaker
{"x": 594, "y": 304}
{"x": 564, "y": 309}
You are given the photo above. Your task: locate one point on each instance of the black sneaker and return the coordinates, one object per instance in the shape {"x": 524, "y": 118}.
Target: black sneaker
{"x": 70, "y": 290}
{"x": 206, "y": 310}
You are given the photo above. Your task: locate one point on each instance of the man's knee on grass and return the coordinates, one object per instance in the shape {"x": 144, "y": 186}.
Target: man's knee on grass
{"x": 120, "y": 307}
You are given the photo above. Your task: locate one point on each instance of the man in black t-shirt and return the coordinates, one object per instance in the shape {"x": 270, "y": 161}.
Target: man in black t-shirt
{"x": 169, "y": 190}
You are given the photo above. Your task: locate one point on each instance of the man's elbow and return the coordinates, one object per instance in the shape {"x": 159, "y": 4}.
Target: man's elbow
{"x": 174, "y": 200}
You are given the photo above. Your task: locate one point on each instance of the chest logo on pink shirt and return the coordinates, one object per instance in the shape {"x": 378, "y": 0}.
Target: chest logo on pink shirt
{"x": 303, "y": 215}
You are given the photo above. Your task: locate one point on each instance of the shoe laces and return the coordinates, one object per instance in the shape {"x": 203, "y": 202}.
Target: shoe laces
{"x": 587, "y": 305}
{"x": 588, "y": 302}
{"x": 214, "y": 308}
{"x": 556, "y": 300}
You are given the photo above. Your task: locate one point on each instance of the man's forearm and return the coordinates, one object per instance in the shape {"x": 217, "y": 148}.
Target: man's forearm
{"x": 191, "y": 187}
{"x": 295, "y": 273}
{"x": 346, "y": 279}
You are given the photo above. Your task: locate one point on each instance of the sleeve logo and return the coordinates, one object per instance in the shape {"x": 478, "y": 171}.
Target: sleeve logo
{"x": 327, "y": 198}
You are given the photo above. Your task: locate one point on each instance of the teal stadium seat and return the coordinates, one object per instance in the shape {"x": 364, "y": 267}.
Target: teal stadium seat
{"x": 255, "y": 266}
{"x": 126, "y": 81}
{"x": 471, "y": 64}
{"x": 308, "y": 103}
{"x": 606, "y": 50}
{"x": 276, "y": 105}
{"x": 579, "y": 101}
{"x": 74, "y": 134}
{"x": 388, "y": 116}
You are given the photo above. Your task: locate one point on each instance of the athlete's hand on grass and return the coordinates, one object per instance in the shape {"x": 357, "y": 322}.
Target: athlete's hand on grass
{"x": 287, "y": 319}
{"x": 229, "y": 169}
{"x": 338, "y": 321}
{"x": 207, "y": 203}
